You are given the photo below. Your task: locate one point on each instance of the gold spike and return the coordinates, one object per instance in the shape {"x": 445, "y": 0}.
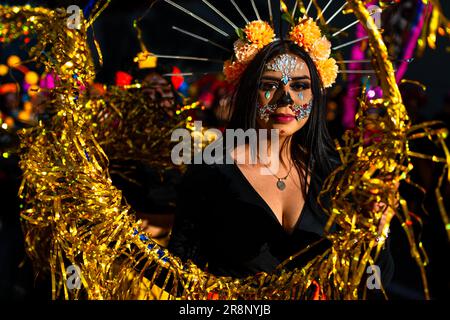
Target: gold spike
{"x": 220, "y": 14}
{"x": 324, "y": 9}
{"x": 336, "y": 13}
{"x": 350, "y": 25}
{"x": 354, "y": 61}
{"x": 358, "y": 71}
{"x": 307, "y": 8}
{"x": 188, "y": 74}
{"x": 295, "y": 8}
{"x": 196, "y": 36}
{"x": 240, "y": 11}
{"x": 350, "y": 43}
{"x": 269, "y": 5}
{"x": 162, "y": 56}
{"x": 256, "y": 10}
{"x": 193, "y": 15}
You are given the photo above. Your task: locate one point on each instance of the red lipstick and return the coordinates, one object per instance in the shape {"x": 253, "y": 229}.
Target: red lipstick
{"x": 282, "y": 118}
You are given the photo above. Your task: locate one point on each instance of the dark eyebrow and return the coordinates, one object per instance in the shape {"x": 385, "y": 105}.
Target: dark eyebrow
{"x": 301, "y": 78}
{"x": 279, "y": 79}
{"x": 270, "y": 78}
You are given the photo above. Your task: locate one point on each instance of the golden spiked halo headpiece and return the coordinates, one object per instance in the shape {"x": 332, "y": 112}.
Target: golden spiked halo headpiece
{"x": 304, "y": 30}
{"x": 305, "y": 33}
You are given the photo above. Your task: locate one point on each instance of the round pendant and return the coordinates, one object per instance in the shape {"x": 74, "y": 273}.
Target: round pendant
{"x": 281, "y": 185}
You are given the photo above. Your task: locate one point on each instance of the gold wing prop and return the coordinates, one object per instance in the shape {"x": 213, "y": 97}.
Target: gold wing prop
{"x": 75, "y": 219}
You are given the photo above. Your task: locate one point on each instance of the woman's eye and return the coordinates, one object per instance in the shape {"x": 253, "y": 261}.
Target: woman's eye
{"x": 269, "y": 86}
{"x": 300, "y": 86}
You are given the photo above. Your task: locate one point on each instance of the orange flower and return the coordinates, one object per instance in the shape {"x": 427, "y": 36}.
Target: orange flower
{"x": 259, "y": 33}
{"x": 244, "y": 52}
{"x": 321, "y": 49}
{"x": 233, "y": 70}
{"x": 305, "y": 34}
{"x": 328, "y": 71}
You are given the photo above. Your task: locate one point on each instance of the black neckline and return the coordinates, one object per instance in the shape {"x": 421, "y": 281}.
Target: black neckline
{"x": 268, "y": 209}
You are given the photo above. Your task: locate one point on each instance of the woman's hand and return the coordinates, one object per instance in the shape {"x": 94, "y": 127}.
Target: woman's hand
{"x": 387, "y": 216}
{"x": 388, "y": 212}
{"x": 158, "y": 226}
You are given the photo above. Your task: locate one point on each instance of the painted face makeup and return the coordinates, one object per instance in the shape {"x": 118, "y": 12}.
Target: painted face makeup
{"x": 292, "y": 75}
{"x": 286, "y": 64}
{"x": 300, "y": 111}
{"x": 265, "y": 111}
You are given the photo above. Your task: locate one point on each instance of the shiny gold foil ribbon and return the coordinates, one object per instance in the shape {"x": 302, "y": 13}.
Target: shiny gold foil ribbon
{"x": 74, "y": 216}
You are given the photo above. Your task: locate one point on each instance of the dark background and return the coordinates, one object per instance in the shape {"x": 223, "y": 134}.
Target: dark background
{"x": 119, "y": 46}
{"x": 119, "y": 43}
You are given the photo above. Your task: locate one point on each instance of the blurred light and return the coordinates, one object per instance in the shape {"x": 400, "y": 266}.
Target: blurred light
{"x": 13, "y": 61}
{"x": 31, "y": 78}
{"x": 3, "y": 70}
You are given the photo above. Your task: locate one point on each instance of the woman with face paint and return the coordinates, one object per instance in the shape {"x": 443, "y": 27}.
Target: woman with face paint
{"x": 235, "y": 221}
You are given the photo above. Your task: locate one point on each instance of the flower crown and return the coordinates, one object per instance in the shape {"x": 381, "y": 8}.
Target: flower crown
{"x": 306, "y": 34}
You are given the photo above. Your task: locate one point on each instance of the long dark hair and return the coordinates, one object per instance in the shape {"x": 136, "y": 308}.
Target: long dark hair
{"x": 312, "y": 149}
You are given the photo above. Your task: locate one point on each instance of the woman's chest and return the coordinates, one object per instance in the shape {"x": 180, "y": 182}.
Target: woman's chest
{"x": 281, "y": 196}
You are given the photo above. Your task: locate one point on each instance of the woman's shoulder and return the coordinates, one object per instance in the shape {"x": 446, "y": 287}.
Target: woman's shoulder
{"x": 206, "y": 174}
{"x": 204, "y": 183}
{"x": 205, "y": 169}
{"x": 216, "y": 162}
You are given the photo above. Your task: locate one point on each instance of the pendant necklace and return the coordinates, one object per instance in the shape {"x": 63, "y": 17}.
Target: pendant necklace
{"x": 281, "y": 185}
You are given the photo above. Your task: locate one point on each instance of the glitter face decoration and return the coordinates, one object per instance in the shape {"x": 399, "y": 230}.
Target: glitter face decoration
{"x": 286, "y": 64}
{"x": 266, "y": 110}
{"x": 301, "y": 111}
{"x": 285, "y": 84}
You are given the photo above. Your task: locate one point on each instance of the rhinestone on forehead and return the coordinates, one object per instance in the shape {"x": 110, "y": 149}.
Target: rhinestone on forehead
{"x": 286, "y": 64}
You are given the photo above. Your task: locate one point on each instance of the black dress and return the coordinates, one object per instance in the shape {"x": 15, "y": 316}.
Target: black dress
{"x": 147, "y": 189}
{"x": 224, "y": 225}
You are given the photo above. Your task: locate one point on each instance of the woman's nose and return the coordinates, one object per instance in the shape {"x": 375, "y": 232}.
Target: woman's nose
{"x": 286, "y": 99}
